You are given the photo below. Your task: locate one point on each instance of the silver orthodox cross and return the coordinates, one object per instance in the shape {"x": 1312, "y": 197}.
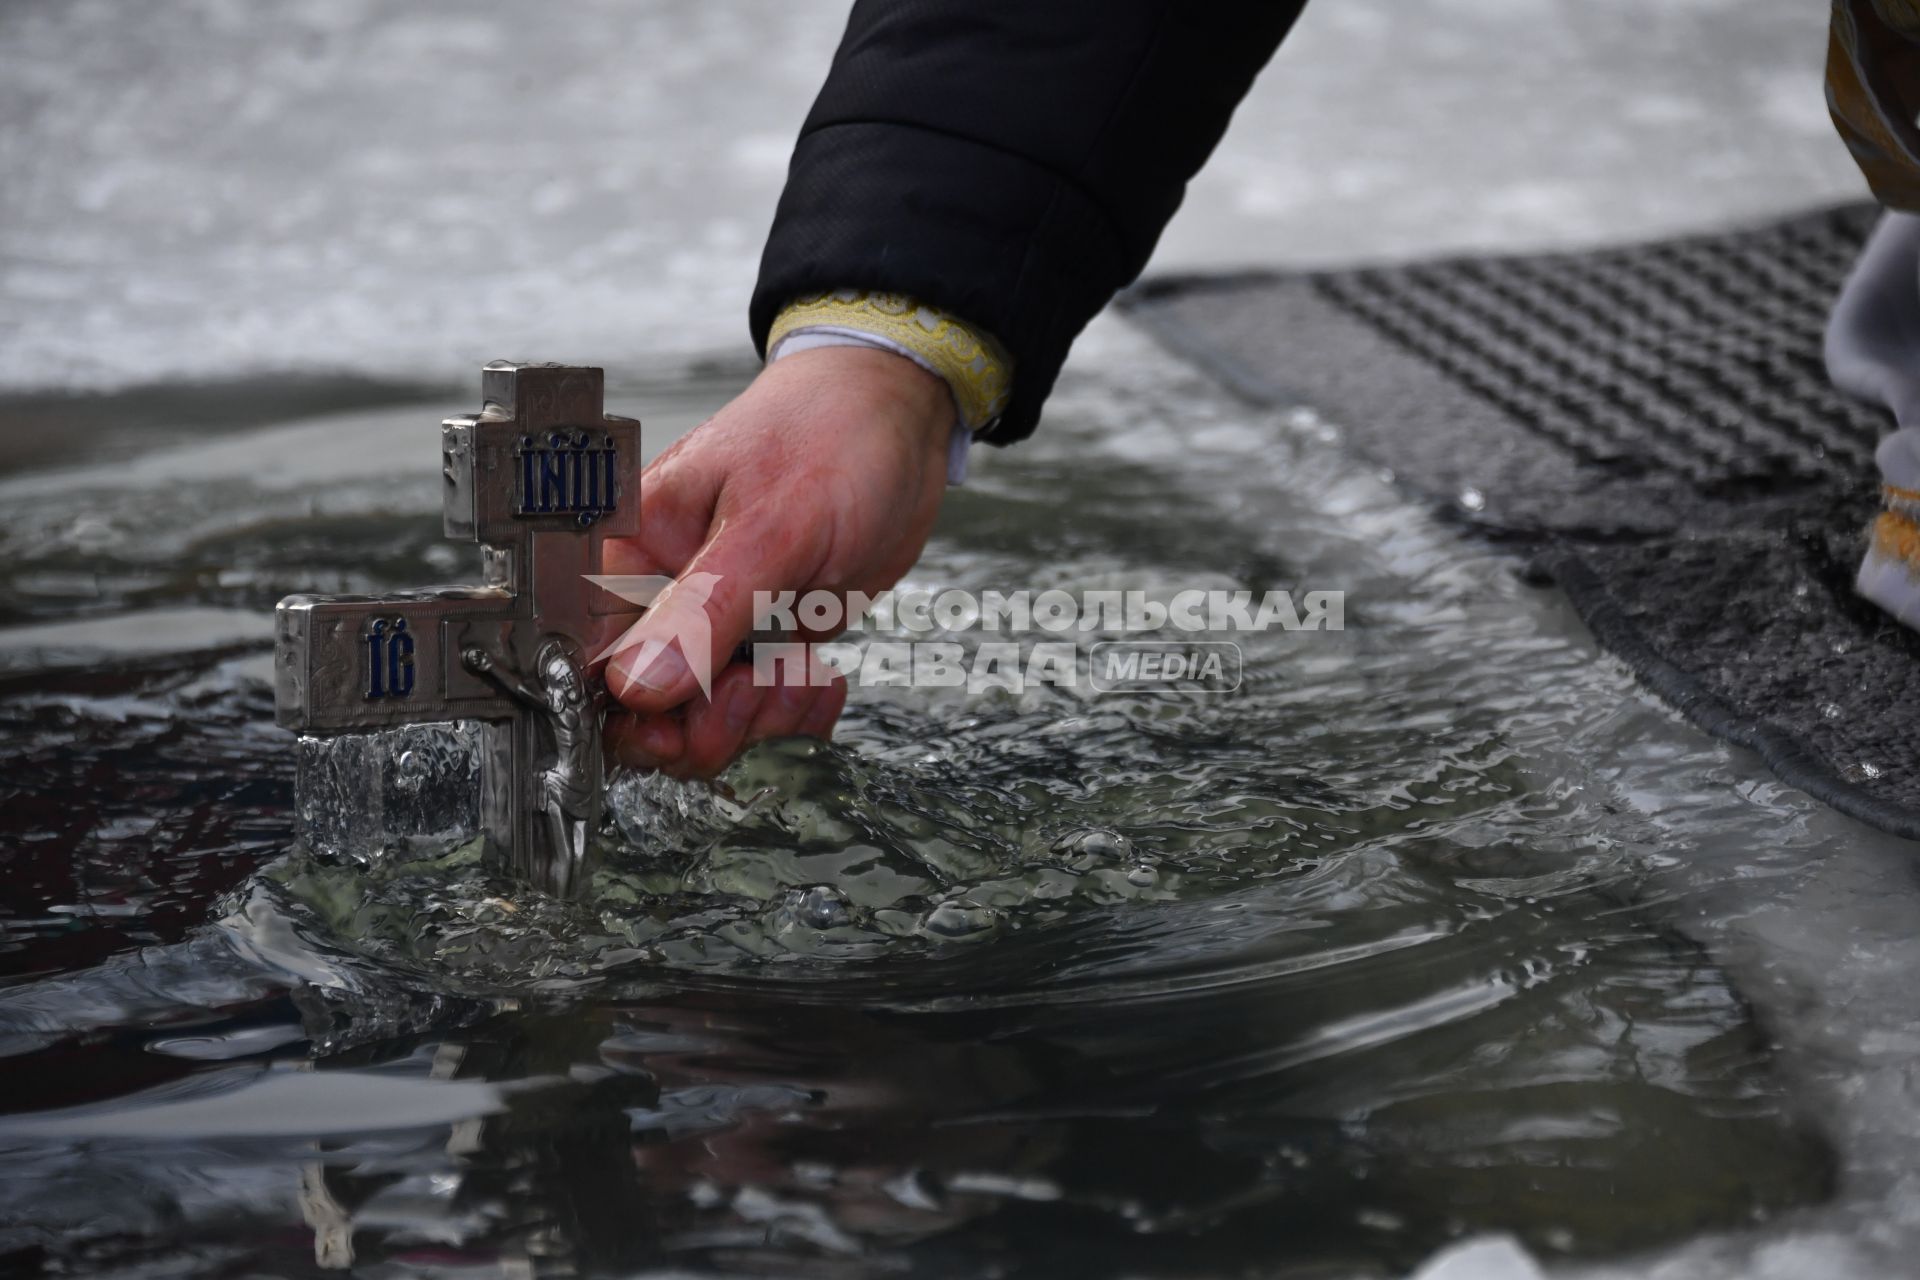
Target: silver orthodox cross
{"x": 540, "y": 477}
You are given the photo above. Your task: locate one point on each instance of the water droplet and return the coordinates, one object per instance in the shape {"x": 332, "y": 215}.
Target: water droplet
{"x": 1143, "y": 877}
{"x": 1091, "y": 845}
{"x": 1471, "y": 499}
{"x": 1380, "y": 1220}
{"x": 409, "y": 771}
{"x": 821, "y": 907}
{"x": 90, "y": 533}
{"x": 1831, "y": 710}
{"x": 959, "y": 920}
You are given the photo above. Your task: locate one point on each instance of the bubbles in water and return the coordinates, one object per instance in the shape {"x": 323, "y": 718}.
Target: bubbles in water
{"x": 408, "y": 772}
{"x": 956, "y": 920}
{"x": 93, "y": 535}
{"x": 821, "y": 907}
{"x": 1091, "y": 847}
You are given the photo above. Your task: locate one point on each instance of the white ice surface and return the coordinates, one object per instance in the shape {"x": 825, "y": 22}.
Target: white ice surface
{"x": 269, "y": 1103}
{"x": 1482, "y": 1258}
{"x": 48, "y": 645}
{"x": 203, "y": 188}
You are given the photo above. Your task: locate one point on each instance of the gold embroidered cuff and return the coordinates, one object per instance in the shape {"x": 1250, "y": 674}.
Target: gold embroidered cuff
{"x": 975, "y": 366}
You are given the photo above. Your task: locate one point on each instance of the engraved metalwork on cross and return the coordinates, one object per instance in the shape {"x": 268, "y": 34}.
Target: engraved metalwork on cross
{"x": 541, "y": 477}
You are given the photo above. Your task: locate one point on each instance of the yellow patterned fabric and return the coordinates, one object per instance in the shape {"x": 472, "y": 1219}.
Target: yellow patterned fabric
{"x": 975, "y": 366}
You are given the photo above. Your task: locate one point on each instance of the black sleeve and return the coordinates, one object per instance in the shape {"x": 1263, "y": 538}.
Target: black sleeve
{"x": 1013, "y": 161}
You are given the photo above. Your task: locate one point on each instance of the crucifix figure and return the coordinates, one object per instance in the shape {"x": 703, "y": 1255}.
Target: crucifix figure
{"x": 541, "y": 476}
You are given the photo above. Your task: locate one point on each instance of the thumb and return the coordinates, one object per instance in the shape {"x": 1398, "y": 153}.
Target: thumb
{"x": 693, "y": 627}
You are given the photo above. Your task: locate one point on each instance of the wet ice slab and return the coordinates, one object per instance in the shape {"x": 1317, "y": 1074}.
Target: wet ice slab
{"x": 267, "y": 1104}
{"x": 151, "y": 633}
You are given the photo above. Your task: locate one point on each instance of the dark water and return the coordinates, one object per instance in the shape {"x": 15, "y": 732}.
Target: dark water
{"x": 1303, "y": 981}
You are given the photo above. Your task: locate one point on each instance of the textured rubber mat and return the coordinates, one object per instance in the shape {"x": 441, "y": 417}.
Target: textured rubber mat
{"x": 1653, "y": 426}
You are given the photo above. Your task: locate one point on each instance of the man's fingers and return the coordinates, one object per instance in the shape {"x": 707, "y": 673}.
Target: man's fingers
{"x": 677, "y": 496}
{"x": 668, "y": 656}
{"x": 693, "y": 627}
{"x": 716, "y": 730}
{"x": 807, "y": 711}
{"x": 828, "y": 702}
{"x": 781, "y": 712}
{"x": 644, "y": 742}
{"x": 676, "y": 507}
{"x": 742, "y": 713}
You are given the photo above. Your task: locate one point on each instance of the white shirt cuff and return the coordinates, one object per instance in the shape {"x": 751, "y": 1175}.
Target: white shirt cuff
{"x": 959, "y": 439}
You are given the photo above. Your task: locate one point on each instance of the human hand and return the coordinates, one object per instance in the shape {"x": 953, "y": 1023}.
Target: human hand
{"x": 825, "y": 473}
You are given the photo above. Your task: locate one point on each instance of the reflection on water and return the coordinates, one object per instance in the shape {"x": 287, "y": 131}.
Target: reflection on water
{"x": 1306, "y": 980}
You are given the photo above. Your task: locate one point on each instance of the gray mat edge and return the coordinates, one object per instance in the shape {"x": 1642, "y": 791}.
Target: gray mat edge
{"x": 1606, "y": 619}
{"x": 1790, "y": 762}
